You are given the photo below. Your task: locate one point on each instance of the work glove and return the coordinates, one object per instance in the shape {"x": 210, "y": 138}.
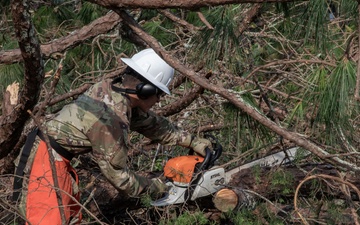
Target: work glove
{"x": 157, "y": 188}
{"x": 197, "y": 144}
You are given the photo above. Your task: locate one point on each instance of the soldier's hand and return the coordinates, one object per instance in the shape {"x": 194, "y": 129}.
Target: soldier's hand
{"x": 157, "y": 188}
{"x": 195, "y": 143}
{"x": 199, "y": 145}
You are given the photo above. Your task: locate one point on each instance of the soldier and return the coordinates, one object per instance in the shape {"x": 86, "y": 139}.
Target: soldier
{"x": 99, "y": 122}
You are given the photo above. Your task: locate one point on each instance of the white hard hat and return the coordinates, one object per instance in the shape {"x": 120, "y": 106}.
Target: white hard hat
{"x": 153, "y": 68}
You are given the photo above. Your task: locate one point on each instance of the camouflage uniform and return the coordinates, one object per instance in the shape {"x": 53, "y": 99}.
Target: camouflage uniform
{"x": 99, "y": 122}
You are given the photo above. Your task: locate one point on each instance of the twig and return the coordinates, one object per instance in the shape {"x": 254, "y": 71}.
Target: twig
{"x": 179, "y": 21}
{"x": 83, "y": 207}
{"x": 203, "y": 19}
{"x": 155, "y": 156}
{"x": 283, "y": 62}
{"x": 39, "y": 110}
{"x": 14, "y": 209}
{"x": 70, "y": 94}
{"x": 249, "y": 16}
{"x": 185, "y": 101}
{"x": 346, "y": 191}
{"x": 323, "y": 176}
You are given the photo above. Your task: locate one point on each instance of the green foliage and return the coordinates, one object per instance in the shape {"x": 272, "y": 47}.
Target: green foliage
{"x": 162, "y": 33}
{"x": 284, "y": 7}
{"x": 222, "y": 42}
{"x": 242, "y": 132}
{"x": 335, "y": 100}
{"x": 248, "y": 217}
{"x": 311, "y": 22}
{"x": 89, "y": 12}
{"x": 346, "y": 9}
{"x": 158, "y": 166}
{"x": 256, "y": 171}
{"x": 188, "y": 218}
{"x": 336, "y": 214}
{"x": 7, "y": 41}
{"x": 48, "y": 19}
{"x": 159, "y": 26}
{"x": 316, "y": 22}
{"x": 311, "y": 95}
{"x": 282, "y": 180}
{"x": 146, "y": 200}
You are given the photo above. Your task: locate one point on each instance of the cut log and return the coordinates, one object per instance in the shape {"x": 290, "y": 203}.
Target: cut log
{"x": 227, "y": 200}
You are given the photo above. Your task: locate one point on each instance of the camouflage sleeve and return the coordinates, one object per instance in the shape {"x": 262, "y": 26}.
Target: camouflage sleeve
{"x": 159, "y": 129}
{"x": 110, "y": 150}
{"x": 108, "y": 136}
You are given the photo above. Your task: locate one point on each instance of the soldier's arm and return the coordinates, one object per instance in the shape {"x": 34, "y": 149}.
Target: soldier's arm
{"x": 109, "y": 143}
{"x": 159, "y": 129}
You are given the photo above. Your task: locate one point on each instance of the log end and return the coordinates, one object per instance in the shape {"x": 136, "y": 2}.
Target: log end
{"x": 226, "y": 200}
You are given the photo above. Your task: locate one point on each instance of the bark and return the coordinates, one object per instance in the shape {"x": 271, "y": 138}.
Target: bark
{"x": 183, "y": 4}
{"x": 179, "y": 21}
{"x": 12, "y": 125}
{"x": 249, "y": 16}
{"x": 102, "y": 25}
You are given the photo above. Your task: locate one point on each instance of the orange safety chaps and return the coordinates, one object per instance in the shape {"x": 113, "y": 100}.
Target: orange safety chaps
{"x": 42, "y": 207}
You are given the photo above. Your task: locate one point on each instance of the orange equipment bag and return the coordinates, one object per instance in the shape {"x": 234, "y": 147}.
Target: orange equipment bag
{"x": 42, "y": 206}
{"x": 181, "y": 169}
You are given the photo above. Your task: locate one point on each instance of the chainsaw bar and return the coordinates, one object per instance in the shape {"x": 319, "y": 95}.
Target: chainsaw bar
{"x": 283, "y": 157}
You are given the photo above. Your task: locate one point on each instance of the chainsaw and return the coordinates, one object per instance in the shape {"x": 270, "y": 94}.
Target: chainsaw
{"x": 191, "y": 177}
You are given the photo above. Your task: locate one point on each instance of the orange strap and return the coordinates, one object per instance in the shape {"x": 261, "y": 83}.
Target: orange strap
{"x": 41, "y": 203}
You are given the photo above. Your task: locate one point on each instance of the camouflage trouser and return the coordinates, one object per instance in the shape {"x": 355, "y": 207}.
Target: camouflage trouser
{"x": 39, "y": 202}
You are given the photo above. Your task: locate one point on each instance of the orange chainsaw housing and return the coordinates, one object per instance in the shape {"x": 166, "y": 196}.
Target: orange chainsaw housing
{"x": 181, "y": 169}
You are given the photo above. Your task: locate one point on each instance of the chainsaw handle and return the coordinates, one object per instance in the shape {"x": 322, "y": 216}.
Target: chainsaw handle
{"x": 210, "y": 157}
{"x": 205, "y": 164}
{"x": 217, "y": 149}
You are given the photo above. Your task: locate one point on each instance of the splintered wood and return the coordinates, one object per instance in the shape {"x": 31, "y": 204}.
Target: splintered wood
{"x": 10, "y": 98}
{"x": 13, "y": 89}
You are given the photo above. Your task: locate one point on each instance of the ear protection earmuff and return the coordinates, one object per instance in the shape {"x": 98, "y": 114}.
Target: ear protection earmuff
{"x": 145, "y": 91}
{"x": 142, "y": 90}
